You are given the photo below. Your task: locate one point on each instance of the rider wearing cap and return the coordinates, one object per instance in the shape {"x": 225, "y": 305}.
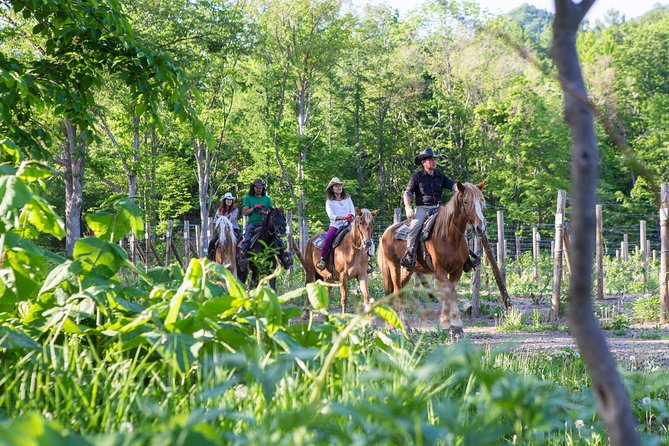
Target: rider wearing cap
{"x": 254, "y": 206}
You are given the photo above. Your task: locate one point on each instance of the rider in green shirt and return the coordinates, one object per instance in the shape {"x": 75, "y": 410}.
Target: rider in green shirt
{"x": 254, "y": 205}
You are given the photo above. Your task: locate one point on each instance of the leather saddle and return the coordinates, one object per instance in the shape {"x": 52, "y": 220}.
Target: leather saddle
{"x": 403, "y": 231}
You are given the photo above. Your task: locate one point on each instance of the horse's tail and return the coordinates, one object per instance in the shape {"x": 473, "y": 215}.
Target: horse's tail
{"x": 384, "y": 268}
{"x": 296, "y": 250}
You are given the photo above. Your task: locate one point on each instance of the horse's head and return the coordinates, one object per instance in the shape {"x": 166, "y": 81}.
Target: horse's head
{"x": 363, "y": 224}
{"x": 224, "y": 229}
{"x": 276, "y": 221}
{"x": 471, "y": 203}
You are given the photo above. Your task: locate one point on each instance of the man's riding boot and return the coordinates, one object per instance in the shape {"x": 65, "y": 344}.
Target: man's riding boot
{"x": 409, "y": 260}
{"x": 472, "y": 262}
{"x": 243, "y": 260}
{"x": 286, "y": 259}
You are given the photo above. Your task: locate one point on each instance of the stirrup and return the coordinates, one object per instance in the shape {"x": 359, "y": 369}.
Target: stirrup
{"x": 321, "y": 264}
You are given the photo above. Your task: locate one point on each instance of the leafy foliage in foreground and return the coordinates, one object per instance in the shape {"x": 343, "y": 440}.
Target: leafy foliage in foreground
{"x": 94, "y": 351}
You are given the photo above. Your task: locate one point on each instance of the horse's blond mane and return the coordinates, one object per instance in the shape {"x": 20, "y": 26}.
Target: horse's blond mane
{"x": 225, "y": 231}
{"x": 445, "y": 212}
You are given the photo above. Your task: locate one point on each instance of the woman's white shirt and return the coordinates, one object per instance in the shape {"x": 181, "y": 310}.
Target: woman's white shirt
{"x": 339, "y": 208}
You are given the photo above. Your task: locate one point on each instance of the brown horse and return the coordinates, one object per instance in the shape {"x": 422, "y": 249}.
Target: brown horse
{"x": 447, "y": 248}
{"x": 350, "y": 257}
{"x": 225, "y": 252}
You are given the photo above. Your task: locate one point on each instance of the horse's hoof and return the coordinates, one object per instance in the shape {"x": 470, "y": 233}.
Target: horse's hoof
{"x": 457, "y": 333}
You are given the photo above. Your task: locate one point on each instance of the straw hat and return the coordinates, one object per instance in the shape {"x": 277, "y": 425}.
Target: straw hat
{"x": 334, "y": 181}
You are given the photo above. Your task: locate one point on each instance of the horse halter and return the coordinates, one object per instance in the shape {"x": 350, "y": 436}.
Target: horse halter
{"x": 364, "y": 243}
{"x": 470, "y": 221}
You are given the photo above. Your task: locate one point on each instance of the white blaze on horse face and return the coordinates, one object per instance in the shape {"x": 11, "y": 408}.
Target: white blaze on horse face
{"x": 479, "y": 214}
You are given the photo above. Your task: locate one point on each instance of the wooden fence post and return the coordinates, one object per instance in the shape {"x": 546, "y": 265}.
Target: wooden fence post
{"x": 168, "y": 242}
{"x": 501, "y": 246}
{"x": 186, "y": 239}
{"x": 147, "y": 251}
{"x": 599, "y": 262}
{"x": 518, "y": 253}
{"x": 197, "y": 240}
{"x": 644, "y": 252}
{"x": 397, "y": 215}
{"x": 133, "y": 248}
{"x": 664, "y": 252}
{"x": 476, "y": 280}
{"x": 496, "y": 272}
{"x": 624, "y": 251}
{"x": 557, "y": 254}
{"x": 535, "y": 253}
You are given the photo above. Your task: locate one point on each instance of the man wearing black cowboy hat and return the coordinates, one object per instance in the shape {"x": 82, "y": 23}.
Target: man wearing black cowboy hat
{"x": 426, "y": 186}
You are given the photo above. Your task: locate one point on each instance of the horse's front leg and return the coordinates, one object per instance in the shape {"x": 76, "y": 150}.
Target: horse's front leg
{"x": 343, "y": 286}
{"x": 364, "y": 290}
{"x": 450, "y": 313}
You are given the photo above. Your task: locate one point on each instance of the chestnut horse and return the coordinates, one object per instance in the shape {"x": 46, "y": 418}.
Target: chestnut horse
{"x": 446, "y": 246}
{"x": 351, "y": 258}
{"x": 225, "y": 252}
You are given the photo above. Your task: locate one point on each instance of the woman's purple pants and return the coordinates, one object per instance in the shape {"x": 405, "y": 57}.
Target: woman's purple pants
{"x": 329, "y": 238}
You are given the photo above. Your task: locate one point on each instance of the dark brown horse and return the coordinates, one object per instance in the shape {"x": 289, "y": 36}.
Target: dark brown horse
{"x": 262, "y": 254}
{"x": 225, "y": 251}
{"x": 350, "y": 257}
{"x": 447, "y": 248}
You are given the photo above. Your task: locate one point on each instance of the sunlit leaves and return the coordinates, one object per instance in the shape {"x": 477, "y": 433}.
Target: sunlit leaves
{"x": 98, "y": 256}
{"x": 124, "y": 218}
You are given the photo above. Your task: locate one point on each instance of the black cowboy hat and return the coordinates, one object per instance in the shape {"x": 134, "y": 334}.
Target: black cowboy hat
{"x": 425, "y": 154}
{"x": 258, "y": 182}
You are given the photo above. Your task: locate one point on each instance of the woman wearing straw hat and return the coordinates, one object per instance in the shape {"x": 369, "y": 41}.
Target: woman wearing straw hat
{"x": 340, "y": 209}
{"x": 229, "y": 210}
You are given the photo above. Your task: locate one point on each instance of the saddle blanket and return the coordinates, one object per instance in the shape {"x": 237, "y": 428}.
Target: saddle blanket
{"x": 320, "y": 239}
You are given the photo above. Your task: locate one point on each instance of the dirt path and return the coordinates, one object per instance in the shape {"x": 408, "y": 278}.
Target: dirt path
{"x": 639, "y": 345}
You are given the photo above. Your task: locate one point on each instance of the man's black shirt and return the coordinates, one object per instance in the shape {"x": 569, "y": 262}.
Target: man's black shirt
{"x": 427, "y": 189}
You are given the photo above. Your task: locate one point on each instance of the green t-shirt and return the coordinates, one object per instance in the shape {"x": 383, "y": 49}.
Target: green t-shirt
{"x": 250, "y": 201}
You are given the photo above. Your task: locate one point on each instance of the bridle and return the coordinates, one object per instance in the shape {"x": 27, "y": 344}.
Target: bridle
{"x": 364, "y": 243}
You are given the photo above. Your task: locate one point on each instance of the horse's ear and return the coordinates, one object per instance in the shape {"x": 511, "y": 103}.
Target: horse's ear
{"x": 482, "y": 184}
{"x": 358, "y": 211}
{"x": 375, "y": 212}
{"x": 460, "y": 186}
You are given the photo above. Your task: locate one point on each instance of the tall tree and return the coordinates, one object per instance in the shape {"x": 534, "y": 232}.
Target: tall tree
{"x": 607, "y": 386}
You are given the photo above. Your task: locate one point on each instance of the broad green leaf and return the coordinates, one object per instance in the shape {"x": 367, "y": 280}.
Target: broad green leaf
{"x": 318, "y": 296}
{"x": 389, "y": 315}
{"x": 96, "y": 255}
{"x": 28, "y": 269}
{"x": 11, "y": 340}
{"x": 32, "y": 428}
{"x": 14, "y": 194}
{"x": 66, "y": 271}
{"x": 293, "y": 294}
{"x": 191, "y": 285}
{"x": 102, "y": 225}
{"x": 41, "y": 215}
{"x": 31, "y": 171}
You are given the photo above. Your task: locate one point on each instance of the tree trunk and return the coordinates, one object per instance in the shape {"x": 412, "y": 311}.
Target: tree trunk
{"x": 606, "y": 383}
{"x": 203, "y": 160}
{"x": 74, "y": 151}
{"x": 132, "y": 172}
